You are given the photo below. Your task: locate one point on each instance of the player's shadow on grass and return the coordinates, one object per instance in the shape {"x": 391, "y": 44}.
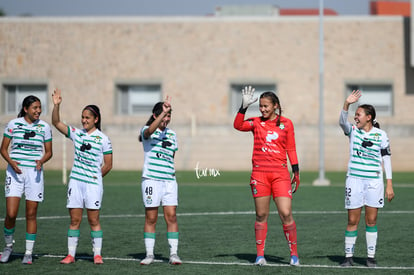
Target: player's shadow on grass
{"x": 252, "y": 258}
{"x": 339, "y": 259}
{"x": 18, "y": 257}
{"x": 141, "y": 256}
{"x": 83, "y": 256}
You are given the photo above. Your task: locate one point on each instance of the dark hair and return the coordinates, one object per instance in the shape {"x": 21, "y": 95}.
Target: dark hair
{"x": 370, "y": 111}
{"x": 96, "y": 113}
{"x": 27, "y": 101}
{"x": 156, "y": 111}
{"x": 275, "y": 100}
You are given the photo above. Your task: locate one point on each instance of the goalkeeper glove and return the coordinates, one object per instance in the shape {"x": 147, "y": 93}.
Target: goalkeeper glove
{"x": 295, "y": 182}
{"x": 248, "y": 97}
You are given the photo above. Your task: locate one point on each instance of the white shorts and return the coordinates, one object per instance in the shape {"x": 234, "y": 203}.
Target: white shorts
{"x": 82, "y": 194}
{"x": 159, "y": 192}
{"x": 29, "y": 183}
{"x": 360, "y": 192}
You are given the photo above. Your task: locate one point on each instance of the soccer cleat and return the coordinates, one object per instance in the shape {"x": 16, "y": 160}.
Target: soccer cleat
{"x": 371, "y": 262}
{"x": 174, "y": 259}
{"x": 68, "y": 260}
{"x": 347, "y": 262}
{"x": 4, "y": 258}
{"x": 148, "y": 260}
{"x": 260, "y": 260}
{"x": 27, "y": 259}
{"x": 97, "y": 259}
{"x": 294, "y": 260}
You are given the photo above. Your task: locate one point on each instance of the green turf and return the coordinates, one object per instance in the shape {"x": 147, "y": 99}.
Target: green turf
{"x": 222, "y": 232}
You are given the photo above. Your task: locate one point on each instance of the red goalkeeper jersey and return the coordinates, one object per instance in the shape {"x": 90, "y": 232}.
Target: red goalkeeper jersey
{"x": 272, "y": 144}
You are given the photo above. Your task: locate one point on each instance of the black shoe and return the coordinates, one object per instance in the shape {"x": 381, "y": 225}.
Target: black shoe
{"x": 371, "y": 262}
{"x": 347, "y": 262}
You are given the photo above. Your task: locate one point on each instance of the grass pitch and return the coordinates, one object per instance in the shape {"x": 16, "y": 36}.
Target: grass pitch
{"x": 216, "y": 224}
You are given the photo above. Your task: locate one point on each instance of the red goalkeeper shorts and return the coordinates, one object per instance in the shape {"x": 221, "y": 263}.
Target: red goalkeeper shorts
{"x": 271, "y": 183}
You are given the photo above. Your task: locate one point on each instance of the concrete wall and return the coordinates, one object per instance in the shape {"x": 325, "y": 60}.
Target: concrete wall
{"x": 195, "y": 59}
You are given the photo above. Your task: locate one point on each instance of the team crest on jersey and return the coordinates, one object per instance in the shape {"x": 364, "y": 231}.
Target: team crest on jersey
{"x": 282, "y": 126}
{"x": 376, "y": 137}
{"x": 39, "y": 127}
{"x": 98, "y": 139}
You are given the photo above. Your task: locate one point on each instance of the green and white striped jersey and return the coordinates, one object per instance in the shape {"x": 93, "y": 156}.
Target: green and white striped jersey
{"x": 159, "y": 151}
{"x": 27, "y": 140}
{"x": 365, "y": 150}
{"x": 89, "y": 152}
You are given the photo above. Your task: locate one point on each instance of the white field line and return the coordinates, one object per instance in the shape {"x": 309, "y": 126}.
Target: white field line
{"x": 228, "y": 263}
{"x": 222, "y": 214}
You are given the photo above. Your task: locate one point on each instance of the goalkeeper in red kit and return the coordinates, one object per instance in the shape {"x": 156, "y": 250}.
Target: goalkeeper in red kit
{"x": 274, "y": 141}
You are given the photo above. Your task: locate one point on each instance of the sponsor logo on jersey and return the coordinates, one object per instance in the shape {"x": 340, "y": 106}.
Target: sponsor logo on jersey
{"x": 28, "y": 135}
{"x": 85, "y": 146}
{"x": 266, "y": 149}
{"x": 271, "y": 136}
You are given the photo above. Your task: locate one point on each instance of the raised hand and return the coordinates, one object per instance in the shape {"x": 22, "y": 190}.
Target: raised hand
{"x": 354, "y": 96}
{"x": 57, "y": 97}
{"x": 248, "y": 96}
{"x": 166, "y": 107}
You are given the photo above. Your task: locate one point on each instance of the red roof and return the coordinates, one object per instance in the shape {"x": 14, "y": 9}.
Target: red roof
{"x": 390, "y": 8}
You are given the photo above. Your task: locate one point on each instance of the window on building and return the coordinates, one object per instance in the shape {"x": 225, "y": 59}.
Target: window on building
{"x": 13, "y": 96}
{"x": 137, "y": 99}
{"x": 236, "y": 98}
{"x": 380, "y": 96}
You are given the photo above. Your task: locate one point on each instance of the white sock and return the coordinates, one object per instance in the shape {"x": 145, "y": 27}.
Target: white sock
{"x": 371, "y": 236}
{"x": 173, "y": 242}
{"x": 97, "y": 246}
{"x": 72, "y": 245}
{"x": 29, "y": 247}
{"x": 350, "y": 240}
{"x": 149, "y": 240}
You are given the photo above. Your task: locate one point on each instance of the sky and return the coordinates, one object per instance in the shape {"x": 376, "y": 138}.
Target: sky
{"x": 162, "y": 7}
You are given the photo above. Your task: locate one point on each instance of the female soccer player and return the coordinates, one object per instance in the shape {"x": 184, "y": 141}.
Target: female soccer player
{"x": 92, "y": 161}
{"x": 274, "y": 140}
{"x": 31, "y": 146}
{"x": 159, "y": 185}
{"x": 369, "y": 150}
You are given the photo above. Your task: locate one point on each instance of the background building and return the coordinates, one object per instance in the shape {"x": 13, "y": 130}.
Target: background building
{"x": 126, "y": 64}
